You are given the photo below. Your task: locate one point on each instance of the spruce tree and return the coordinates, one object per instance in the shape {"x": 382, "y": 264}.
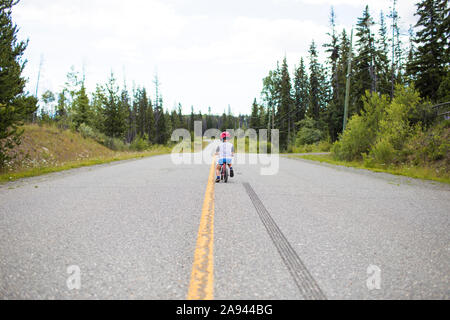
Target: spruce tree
{"x": 262, "y": 118}
{"x": 14, "y": 107}
{"x": 301, "y": 91}
{"x": 143, "y": 105}
{"x": 365, "y": 73}
{"x": 175, "y": 120}
{"x": 318, "y": 97}
{"x": 230, "y": 124}
{"x": 61, "y": 106}
{"x": 383, "y": 69}
{"x": 82, "y": 109}
{"x": 335, "y": 112}
{"x": 396, "y": 49}
{"x": 180, "y": 116}
{"x": 200, "y": 118}
{"x": 209, "y": 119}
{"x": 332, "y": 48}
{"x": 411, "y": 53}
{"x": 160, "y": 124}
{"x": 132, "y": 118}
{"x": 254, "y": 118}
{"x": 285, "y": 116}
{"x": 169, "y": 126}
{"x": 224, "y": 122}
{"x": 150, "y": 123}
{"x": 191, "y": 120}
{"x": 428, "y": 67}
{"x": 114, "y": 111}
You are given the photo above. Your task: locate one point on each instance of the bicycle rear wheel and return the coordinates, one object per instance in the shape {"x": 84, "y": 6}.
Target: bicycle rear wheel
{"x": 226, "y": 174}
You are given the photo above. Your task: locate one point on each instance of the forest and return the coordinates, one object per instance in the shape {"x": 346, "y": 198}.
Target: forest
{"x": 376, "y": 97}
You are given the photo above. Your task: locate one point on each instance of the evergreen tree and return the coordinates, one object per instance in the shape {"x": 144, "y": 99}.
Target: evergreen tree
{"x": 411, "y": 54}
{"x": 169, "y": 126}
{"x": 175, "y": 120}
{"x": 114, "y": 111}
{"x": 301, "y": 91}
{"x": 150, "y": 123}
{"x": 131, "y": 111}
{"x": 285, "y": 116}
{"x": 332, "y": 48}
{"x": 428, "y": 67}
{"x": 383, "y": 72}
{"x": 318, "y": 97}
{"x": 396, "y": 49}
{"x": 271, "y": 94}
{"x": 14, "y": 107}
{"x": 98, "y": 101}
{"x": 130, "y": 115}
{"x": 255, "y": 116}
{"x": 192, "y": 119}
{"x": 230, "y": 124}
{"x": 262, "y": 118}
{"x": 180, "y": 116}
{"x": 82, "y": 109}
{"x": 365, "y": 74}
{"x": 335, "y": 112}
{"x": 209, "y": 119}
{"x": 224, "y": 122}
{"x": 161, "y": 125}
{"x": 61, "y": 106}
{"x": 141, "y": 105}
{"x": 200, "y": 119}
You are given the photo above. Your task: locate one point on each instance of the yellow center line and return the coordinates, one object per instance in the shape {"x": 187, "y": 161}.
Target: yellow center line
{"x": 202, "y": 278}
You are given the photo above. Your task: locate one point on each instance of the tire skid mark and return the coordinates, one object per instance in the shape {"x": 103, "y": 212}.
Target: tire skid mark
{"x": 306, "y": 284}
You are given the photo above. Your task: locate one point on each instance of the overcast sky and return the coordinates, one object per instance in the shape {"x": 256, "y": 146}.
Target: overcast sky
{"x": 206, "y": 52}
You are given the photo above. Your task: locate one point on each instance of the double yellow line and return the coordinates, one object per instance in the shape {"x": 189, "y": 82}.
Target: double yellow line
{"x": 202, "y": 278}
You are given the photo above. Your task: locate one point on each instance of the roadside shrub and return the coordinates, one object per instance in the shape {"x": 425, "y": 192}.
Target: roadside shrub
{"x": 324, "y": 146}
{"x": 140, "y": 144}
{"x": 383, "y": 152}
{"x": 395, "y": 126}
{"x": 368, "y": 161}
{"x": 115, "y": 144}
{"x": 309, "y": 133}
{"x": 430, "y": 146}
{"x": 63, "y": 123}
{"x": 361, "y": 132}
{"x": 87, "y": 132}
{"x": 355, "y": 141}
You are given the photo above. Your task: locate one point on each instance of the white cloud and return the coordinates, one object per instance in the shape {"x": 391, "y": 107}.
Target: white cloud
{"x": 253, "y": 40}
{"x": 406, "y": 8}
{"x": 202, "y": 60}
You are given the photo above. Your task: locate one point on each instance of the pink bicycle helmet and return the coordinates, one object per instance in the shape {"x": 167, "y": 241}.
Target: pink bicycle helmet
{"x": 225, "y": 135}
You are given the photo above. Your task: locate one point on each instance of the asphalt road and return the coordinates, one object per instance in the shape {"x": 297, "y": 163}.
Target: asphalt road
{"x": 309, "y": 232}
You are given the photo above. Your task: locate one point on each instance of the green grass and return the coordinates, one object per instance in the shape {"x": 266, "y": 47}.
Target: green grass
{"x": 323, "y": 146}
{"x": 33, "y": 172}
{"x": 46, "y": 149}
{"x": 423, "y": 173}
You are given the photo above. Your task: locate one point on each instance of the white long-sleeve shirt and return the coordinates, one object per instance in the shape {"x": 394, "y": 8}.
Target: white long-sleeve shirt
{"x": 225, "y": 150}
